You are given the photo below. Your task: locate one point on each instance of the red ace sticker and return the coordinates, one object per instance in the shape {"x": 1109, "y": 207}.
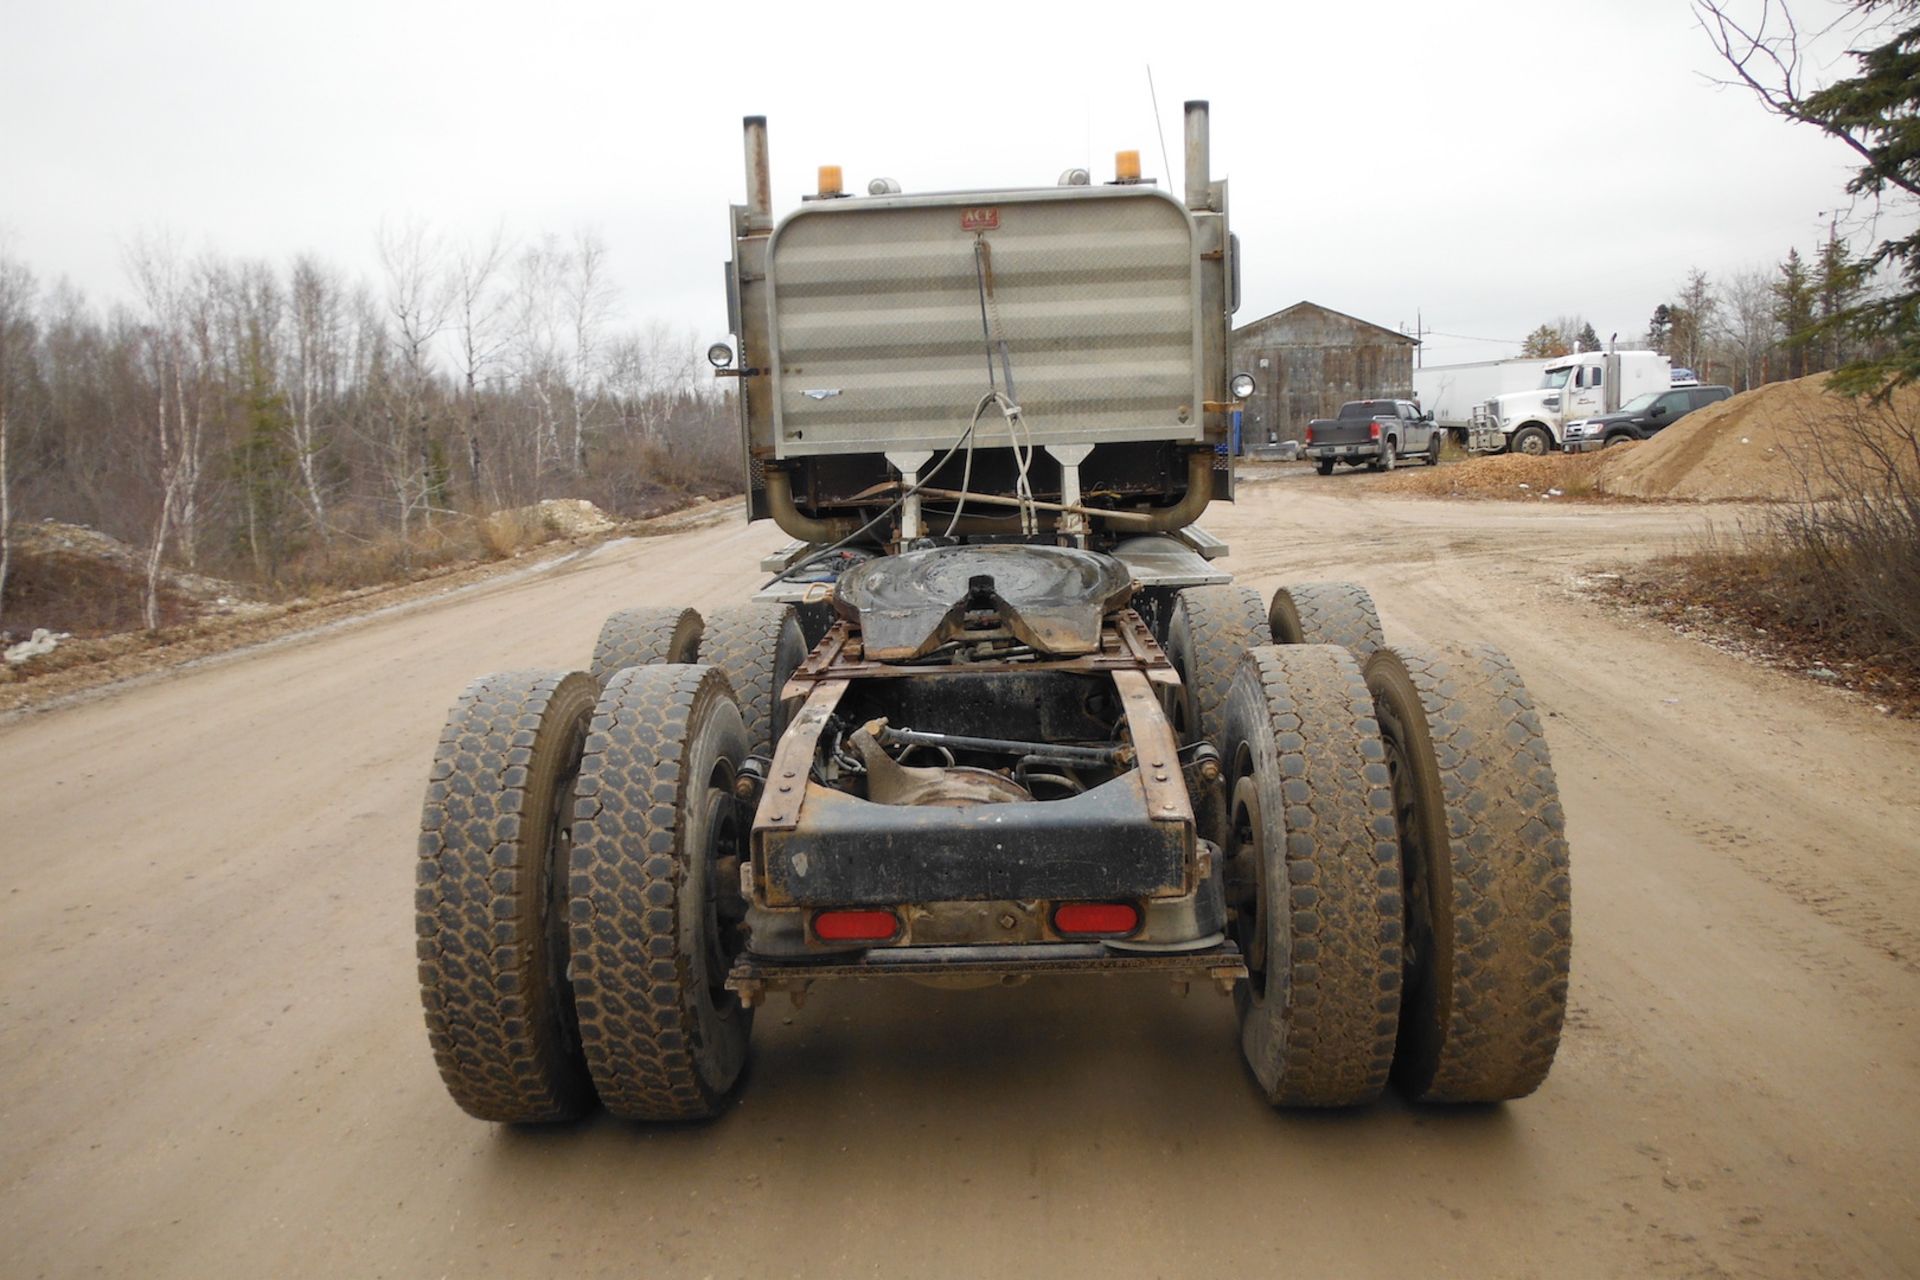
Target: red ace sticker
{"x": 980, "y": 220}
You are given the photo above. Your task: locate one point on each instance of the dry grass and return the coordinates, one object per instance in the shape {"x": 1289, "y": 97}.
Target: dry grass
{"x": 1830, "y": 584}
{"x": 352, "y": 563}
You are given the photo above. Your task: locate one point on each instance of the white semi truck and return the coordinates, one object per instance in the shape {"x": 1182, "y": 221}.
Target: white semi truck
{"x": 1454, "y": 393}
{"x": 1582, "y": 385}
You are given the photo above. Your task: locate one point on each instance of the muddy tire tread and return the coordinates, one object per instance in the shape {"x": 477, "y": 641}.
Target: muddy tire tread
{"x": 1221, "y": 623}
{"x": 757, "y": 646}
{"x": 502, "y": 1049}
{"x": 1338, "y": 990}
{"x": 1501, "y": 1011}
{"x": 633, "y": 985}
{"x": 643, "y": 637}
{"x": 1339, "y": 613}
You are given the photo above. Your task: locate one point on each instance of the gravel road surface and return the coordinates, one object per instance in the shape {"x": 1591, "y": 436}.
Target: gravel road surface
{"x": 212, "y": 1059}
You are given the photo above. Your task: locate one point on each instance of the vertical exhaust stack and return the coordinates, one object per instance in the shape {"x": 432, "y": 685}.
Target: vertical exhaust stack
{"x": 1199, "y": 156}
{"x": 759, "y": 175}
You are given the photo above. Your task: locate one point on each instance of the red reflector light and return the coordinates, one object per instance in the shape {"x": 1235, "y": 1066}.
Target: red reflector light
{"x": 855, "y": 926}
{"x": 1374, "y": 430}
{"x": 1096, "y": 917}
{"x": 1309, "y": 439}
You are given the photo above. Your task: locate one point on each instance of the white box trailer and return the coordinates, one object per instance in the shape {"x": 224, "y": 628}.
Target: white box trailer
{"x": 1453, "y": 391}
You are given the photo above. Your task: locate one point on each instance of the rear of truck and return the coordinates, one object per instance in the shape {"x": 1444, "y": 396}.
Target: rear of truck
{"x": 1360, "y": 433}
{"x": 998, "y": 713}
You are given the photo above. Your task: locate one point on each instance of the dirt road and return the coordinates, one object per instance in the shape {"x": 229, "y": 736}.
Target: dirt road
{"x": 212, "y": 1060}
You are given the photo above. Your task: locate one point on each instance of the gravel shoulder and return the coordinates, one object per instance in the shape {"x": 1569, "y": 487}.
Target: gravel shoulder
{"x": 215, "y": 1061}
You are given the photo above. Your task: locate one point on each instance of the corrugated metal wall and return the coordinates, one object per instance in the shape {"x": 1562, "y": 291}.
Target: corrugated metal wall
{"x": 1316, "y": 359}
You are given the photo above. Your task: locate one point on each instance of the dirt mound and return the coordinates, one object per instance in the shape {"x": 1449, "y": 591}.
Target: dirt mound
{"x": 72, "y": 580}
{"x": 73, "y": 593}
{"x": 76, "y": 542}
{"x": 1776, "y": 443}
{"x": 566, "y": 517}
{"x": 1515, "y": 476}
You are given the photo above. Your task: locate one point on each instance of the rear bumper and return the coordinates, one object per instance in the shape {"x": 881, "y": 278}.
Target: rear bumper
{"x": 754, "y": 977}
{"x": 1341, "y": 452}
{"x": 1183, "y": 920}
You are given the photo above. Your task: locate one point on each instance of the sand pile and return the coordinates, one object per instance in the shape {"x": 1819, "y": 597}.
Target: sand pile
{"x": 1779, "y": 442}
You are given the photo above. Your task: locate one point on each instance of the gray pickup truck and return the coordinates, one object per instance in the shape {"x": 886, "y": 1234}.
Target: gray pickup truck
{"x": 1375, "y": 432}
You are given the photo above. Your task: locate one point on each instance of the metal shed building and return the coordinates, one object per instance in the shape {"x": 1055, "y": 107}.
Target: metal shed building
{"x": 1308, "y": 359}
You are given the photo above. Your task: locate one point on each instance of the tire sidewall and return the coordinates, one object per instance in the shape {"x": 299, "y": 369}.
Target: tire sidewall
{"x": 1425, "y": 869}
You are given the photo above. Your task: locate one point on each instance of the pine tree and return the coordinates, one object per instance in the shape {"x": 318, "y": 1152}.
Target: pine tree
{"x": 1876, "y": 113}
{"x": 1838, "y": 281}
{"x": 1660, "y": 330}
{"x": 1793, "y": 300}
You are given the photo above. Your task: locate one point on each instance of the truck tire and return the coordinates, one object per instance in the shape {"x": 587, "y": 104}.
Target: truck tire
{"x": 1339, "y": 613}
{"x": 1483, "y": 845}
{"x": 652, "y": 921}
{"x": 1533, "y": 441}
{"x": 1210, "y": 629}
{"x": 1313, "y": 873}
{"x": 1619, "y": 437}
{"x": 644, "y": 637}
{"x": 1433, "y": 450}
{"x": 757, "y": 646}
{"x": 489, "y": 933}
{"x": 1386, "y": 459}
{"x": 1324, "y": 466}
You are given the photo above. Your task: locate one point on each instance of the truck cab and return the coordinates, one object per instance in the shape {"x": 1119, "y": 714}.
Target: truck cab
{"x": 1582, "y": 385}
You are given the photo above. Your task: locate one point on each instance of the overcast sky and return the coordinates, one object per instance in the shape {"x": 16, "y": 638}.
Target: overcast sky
{"x": 1490, "y": 165}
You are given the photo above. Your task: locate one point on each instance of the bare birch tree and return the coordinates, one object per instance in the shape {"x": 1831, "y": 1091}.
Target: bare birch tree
{"x": 479, "y": 309}
{"x": 418, "y": 307}
{"x": 16, "y": 334}
{"x": 312, "y": 374}
{"x": 177, "y": 345}
{"x": 536, "y": 344}
{"x": 589, "y": 299}
{"x": 1751, "y": 327}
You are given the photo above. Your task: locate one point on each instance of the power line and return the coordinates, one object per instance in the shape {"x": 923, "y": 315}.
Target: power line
{"x": 1467, "y": 337}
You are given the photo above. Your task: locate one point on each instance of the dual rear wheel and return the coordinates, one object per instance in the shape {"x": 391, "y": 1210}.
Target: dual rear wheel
{"x": 1396, "y": 863}
{"x": 577, "y": 904}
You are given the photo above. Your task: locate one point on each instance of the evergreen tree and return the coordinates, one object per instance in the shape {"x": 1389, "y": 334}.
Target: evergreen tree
{"x": 1589, "y": 340}
{"x": 1660, "y": 330}
{"x": 1838, "y": 281}
{"x": 1793, "y": 301}
{"x": 1875, "y": 112}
